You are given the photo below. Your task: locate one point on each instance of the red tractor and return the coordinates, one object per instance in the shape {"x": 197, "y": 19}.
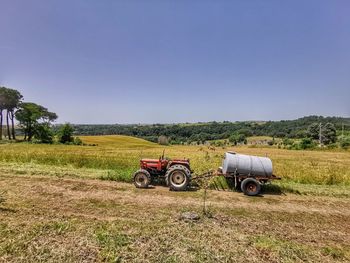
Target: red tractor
{"x": 175, "y": 173}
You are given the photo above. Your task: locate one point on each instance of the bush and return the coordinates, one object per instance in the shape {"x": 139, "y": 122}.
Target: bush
{"x": 65, "y": 134}
{"x": 77, "y": 141}
{"x": 344, "y": 142}
{"x": 43, "y": 134}
{"x": 332, "y": 146}
{"x": 306, "y": 143}
{"x": 219, "y": 144}
{"x": 287, "y": 142}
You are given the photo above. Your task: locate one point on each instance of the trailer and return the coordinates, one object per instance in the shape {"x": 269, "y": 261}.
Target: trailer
{"x": 248, "y": 172}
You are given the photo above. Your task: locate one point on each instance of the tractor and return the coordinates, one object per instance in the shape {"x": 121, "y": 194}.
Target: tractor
{"x": 175, "y": 173}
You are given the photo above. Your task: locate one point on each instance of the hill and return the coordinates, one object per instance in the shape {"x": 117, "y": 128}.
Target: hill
{"x": 119, "y": 141}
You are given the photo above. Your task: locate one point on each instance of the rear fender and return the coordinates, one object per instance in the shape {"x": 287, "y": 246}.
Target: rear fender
{"x": 179, "y": 163}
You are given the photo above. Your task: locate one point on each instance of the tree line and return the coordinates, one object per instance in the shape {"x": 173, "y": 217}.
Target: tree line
{"x": 201, "y": 132}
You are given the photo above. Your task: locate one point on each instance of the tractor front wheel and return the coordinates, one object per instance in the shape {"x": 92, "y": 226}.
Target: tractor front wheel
{"x": 142, "y": 178}
{"x": 178, "y": 177}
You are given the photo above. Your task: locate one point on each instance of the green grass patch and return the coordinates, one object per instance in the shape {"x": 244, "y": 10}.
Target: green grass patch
{"x": 282, "y": 250}
{"x": 110, "y": 240}
{"x": 335, "y": 253}
{"x": 120, "y": 175}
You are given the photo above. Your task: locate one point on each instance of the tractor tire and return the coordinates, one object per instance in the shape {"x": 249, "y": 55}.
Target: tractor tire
{"x": 178, "y": 177}
{"x": 142, "y": 178}
{"x": 250, "y": 187}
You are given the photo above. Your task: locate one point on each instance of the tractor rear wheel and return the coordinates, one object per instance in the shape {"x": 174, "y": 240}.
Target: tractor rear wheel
{"x": 250, "y": 187}
{"x": 178, "y": 177}
{"x": 142, "y": 178}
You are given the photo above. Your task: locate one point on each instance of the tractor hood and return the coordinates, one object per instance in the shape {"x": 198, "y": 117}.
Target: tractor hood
{"x": 150, "y": 160}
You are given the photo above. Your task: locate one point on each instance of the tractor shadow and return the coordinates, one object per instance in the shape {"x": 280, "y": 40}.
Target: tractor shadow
{"x": 272, "y": 189}
{"x": 193, "y": 186}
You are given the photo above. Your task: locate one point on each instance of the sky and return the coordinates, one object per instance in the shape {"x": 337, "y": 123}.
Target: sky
{"x": 165, "y": 61}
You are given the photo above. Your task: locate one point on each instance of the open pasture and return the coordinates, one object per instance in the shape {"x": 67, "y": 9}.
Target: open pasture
{"x": 118, "y": 157}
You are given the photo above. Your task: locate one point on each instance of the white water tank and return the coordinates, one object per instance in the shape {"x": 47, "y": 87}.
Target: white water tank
{"x": 246, "y": 164}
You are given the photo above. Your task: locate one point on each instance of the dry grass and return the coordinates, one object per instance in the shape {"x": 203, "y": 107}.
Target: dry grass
{"x": 50, "y": 219}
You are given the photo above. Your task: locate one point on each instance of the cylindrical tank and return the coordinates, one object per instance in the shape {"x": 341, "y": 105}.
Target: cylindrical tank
{"x": 246, "y": 164}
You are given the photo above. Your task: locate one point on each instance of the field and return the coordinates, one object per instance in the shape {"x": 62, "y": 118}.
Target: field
{"x": 118, "y": 156}
{"x": 67, "y": 203}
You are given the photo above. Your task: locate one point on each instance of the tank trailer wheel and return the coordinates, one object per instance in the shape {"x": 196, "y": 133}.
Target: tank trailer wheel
{"x": 178, "y": 177}
{"x": 250, "y": 187}
{"x": 142, "y": 178}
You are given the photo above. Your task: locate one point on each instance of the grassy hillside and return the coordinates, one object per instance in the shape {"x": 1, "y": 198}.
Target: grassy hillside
{"x": 118, "y": 141}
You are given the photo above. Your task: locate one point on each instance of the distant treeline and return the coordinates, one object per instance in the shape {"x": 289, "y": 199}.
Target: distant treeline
{"x": 190, "y": 132}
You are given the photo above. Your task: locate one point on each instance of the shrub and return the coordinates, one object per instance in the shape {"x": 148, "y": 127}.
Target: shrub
{"x": 77, "y": 141}
{"x": 219, "y": 144}
{"x": 287, "y": 142}
{"x": 65, "y": 134}
{"x": 43, "y": 134}
{"x": 332, "y": 146}
{"x": 306, "y": 143}
{"x": 344, "y": 142}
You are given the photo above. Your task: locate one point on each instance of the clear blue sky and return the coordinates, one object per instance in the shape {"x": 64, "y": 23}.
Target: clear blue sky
{"x": 164, "y": 61}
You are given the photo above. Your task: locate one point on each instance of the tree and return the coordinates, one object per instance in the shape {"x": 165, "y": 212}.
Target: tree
{"x": 14, "y": 99}
{"x": 65, "y": 134}
{"x": 31, "y": 115}
{"x": 326, "y": 133}
{"x": 9, "y": 100}
{"x": 313, "y": 131}
{"x": 2, "y": 107}
{"x": 329, "y": 133}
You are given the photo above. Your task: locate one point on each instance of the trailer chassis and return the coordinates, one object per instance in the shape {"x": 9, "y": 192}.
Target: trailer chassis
{"x": 248, "y": 183}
